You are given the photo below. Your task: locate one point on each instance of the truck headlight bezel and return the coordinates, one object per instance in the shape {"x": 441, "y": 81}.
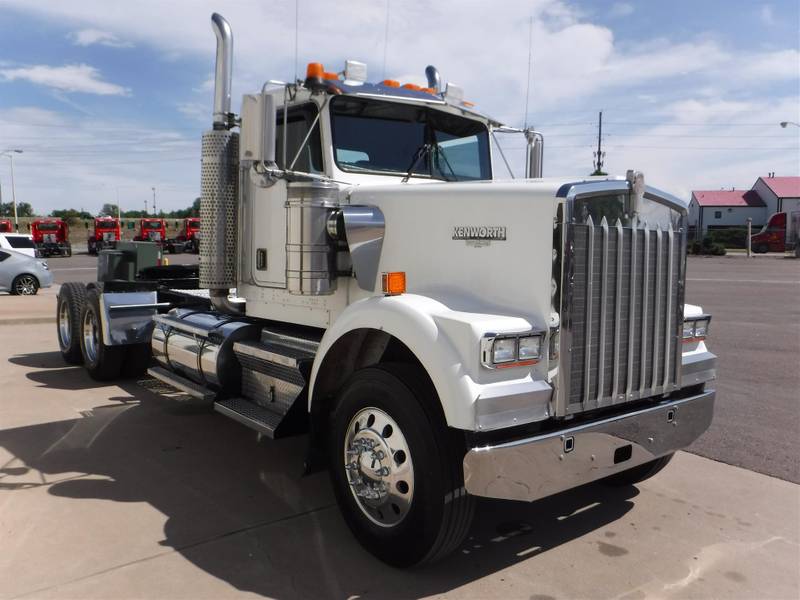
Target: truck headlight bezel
{"x": 505, "y": 350}
{"x": 695, "y": 329}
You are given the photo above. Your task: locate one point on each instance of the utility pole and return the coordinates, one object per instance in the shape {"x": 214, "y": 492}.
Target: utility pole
{"x": 155, "y": 212}
{"x": 10, "y": 155}
{"x": 599, "y": 155}
{"x": 145, "y": 207}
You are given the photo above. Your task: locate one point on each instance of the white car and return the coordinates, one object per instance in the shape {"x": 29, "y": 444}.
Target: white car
{"x": 22, "y": 275}
{"x": 18, "y": 242}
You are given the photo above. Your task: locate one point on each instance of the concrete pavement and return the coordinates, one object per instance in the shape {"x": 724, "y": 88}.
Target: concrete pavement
{"x": 113, "y": 491}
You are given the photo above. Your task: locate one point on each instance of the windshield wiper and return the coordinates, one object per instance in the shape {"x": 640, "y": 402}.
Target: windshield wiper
{"x": 419, "y": 153}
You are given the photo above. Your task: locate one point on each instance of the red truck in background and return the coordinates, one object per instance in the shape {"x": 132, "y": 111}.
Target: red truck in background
{"x": 190, "y": 235}
{"x": 5, "y": 226}
{"x": 51, "y": 237}
{"x": 778, "y": 235}
{"x": 106, "y": 234}
{"x": 151, "y": 229}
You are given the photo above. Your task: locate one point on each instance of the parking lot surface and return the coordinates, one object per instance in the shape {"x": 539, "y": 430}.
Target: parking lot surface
{"x": 116, "y": 491}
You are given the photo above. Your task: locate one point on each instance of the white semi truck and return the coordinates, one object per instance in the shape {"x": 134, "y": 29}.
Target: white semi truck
{"x": 438, "y": 332}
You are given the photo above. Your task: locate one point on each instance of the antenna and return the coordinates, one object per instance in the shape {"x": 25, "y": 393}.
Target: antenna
{"x": 530, "y": 60}
{"x": 599, "y": 155}
{"x": 296, "y": 27}
{"x": 386, "y": 37}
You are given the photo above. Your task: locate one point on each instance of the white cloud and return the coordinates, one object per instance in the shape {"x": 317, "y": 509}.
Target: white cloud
{"x": 621, "y": 9}
{"x": 69, "y": 78}
{"x": 88, "y": 37}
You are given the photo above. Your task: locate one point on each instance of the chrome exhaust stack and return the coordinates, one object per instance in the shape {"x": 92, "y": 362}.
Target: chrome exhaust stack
{"x": 434, "y": 81}
{"x": 219, "y": 184}
{"x": 223, "y": 73}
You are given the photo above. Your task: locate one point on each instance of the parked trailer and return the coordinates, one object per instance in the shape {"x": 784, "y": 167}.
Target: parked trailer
{"x": 51, "y": 237}
{"x": 438, "y": 332}
{"x": 106, "y": 234}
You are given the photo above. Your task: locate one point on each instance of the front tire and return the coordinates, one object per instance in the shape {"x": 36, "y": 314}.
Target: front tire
{"x": 25, "y": 285}
{"x": 102, "y": 362}
{"x": 69, "y": 305}
{"x": 396, "y": 468}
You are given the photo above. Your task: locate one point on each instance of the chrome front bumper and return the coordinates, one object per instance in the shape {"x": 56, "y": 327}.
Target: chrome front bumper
{"x": 543, "y": 465}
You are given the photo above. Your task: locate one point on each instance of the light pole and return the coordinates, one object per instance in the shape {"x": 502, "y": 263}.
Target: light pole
{"x": 10, "y": 154}
{"x": 155, "y": 212}
{"x": 785, "y": 124}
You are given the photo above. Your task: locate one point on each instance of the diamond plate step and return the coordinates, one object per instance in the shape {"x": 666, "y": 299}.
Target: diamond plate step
{"x": 250, "y": 414}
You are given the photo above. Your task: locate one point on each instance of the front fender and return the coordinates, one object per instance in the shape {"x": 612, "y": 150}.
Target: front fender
{"x": 447, "y": 344}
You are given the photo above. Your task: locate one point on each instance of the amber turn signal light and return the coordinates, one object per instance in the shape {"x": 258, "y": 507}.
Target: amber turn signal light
{"x": 394, "y": 283}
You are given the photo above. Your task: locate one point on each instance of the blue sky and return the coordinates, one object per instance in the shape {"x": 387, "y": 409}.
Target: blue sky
{"x": 109, "y": 99}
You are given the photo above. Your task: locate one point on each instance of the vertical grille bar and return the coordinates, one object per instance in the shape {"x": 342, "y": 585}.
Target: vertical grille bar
{"x": 658, "y": 317}
{"x": 588, "y": 325}
{"x": 617, "y": 308}
{"x": 631, "y": 328}
{"x": 668, "y": 333}
{"x": 601, "y": 350}
{"x": 645, "y": 285}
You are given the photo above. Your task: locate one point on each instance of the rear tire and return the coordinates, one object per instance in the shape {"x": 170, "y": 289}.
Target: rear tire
{"x": 102, "y": 362}
{"x": 761, "y": 249}
{"x": 69, "y": 306}
{"x": 640, "y": 473}
{"x": 386, "y": 416}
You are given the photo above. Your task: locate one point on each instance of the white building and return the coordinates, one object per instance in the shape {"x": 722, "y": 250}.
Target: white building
{"x": 718, "y": 209}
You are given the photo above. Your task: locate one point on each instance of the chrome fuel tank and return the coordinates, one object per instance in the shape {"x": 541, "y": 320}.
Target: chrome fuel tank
{"x": 199, "y": 346}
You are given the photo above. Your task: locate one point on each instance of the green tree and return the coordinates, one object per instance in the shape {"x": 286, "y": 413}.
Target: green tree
{"x": 108, "y": 210}
{"x": 71, "y": 213}
{"x": 24, "y": 209}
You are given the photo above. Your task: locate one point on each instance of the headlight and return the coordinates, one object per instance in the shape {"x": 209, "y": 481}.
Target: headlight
{"x": 516, "y": 350}
{"x": 696, "y": 328}
{"x": 530, "y": 347}
{"x": 504, "y": 350}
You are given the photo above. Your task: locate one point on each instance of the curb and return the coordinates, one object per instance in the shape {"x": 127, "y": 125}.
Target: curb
{"x": 29, "y": 321}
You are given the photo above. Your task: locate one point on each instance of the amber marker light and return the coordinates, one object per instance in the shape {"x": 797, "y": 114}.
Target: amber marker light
{"x": 394, "y": 283}
{"x": 315, "y": 70}
{"x": 390, "y": 83}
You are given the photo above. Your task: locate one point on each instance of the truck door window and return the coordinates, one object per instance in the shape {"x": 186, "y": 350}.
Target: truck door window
{"x": 382, "y": 137}
{"x": 299, "y": 120}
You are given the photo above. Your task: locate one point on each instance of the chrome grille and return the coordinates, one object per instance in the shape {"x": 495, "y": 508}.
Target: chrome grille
{"x": 625, "y": 314}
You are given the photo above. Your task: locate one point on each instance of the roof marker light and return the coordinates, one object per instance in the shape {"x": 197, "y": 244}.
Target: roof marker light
{"x": 390, "y": 83}
{"x": 315, "y": 70}
{"x": 412, "y": 86}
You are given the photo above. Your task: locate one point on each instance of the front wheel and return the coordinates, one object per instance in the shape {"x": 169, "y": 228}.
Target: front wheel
{"x": 396, "y": 468}
{"x": 101, "y": 361}
{"x": 25, "y": 285}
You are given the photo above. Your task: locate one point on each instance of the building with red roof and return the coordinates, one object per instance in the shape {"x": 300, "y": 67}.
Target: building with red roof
{"x": 717, "y": 209}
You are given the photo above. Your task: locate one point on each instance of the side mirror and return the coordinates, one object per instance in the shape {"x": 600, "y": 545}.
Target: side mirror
{"x": 259, "y": 117}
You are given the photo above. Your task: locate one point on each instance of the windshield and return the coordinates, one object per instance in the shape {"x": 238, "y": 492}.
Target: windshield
{"x": 47, "y": 226}
{"x": 386, "y": 137}
{"x": 105, "y": 225}
{"x": 193, "y": 224}
{"x": 151, "y": 224}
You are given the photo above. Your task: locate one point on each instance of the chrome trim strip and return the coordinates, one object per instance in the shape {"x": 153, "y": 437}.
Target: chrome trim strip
{"x": 587, "y": 356}
{"x": 536, "y": 467}
{"x": 645, "y": 282}
{"x": 668, "y": 333}
{"x": 657, "y": 317}
{"x": 601, "y": 350}
{"x": 634, "y": 243}
{"x": 617, "y": 309}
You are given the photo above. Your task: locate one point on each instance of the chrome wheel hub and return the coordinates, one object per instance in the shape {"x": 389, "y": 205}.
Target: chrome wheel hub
{"x": 378, "y": 465}
{"x": 26, "y": 286}
{"x": 63, "y": 324}
{"x": 90, "y": 330}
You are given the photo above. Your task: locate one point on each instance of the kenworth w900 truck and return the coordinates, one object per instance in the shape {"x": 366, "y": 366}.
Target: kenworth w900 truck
{"x": 439, "y": 333}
